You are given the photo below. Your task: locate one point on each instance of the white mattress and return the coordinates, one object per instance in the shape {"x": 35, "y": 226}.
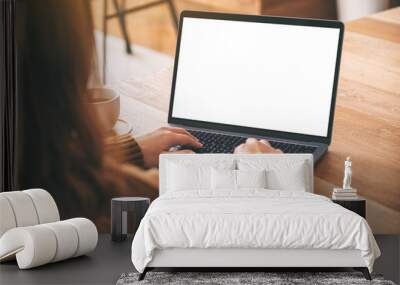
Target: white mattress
{"x": 251, "y": 219}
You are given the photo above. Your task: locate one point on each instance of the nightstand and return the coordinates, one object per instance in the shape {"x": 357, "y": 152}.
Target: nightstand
{"x": 119, "y": 215}
{"x": 357, "y": 205}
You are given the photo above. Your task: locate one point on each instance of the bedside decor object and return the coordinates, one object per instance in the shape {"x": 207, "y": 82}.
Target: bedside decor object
{"x": 31, "y": 231}
{"x": 356, "y": 205}
{"x": 347, "y": 192}
{"x": 339, "y": 193}
{"x": 119, "y": 215}
{"x": 347, "y": 174}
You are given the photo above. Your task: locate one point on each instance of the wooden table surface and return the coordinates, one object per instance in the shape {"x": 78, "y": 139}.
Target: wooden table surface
{"x": 367, "y": 118}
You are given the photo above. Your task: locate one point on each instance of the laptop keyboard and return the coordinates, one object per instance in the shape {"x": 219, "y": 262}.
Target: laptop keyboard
{"x": 221, "y": 143}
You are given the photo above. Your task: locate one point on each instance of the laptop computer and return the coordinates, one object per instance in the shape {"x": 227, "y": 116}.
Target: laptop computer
{"x": 240, "y": 76}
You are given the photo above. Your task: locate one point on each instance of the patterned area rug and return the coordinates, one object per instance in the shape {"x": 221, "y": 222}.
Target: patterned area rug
{"x": 231, "y": 278}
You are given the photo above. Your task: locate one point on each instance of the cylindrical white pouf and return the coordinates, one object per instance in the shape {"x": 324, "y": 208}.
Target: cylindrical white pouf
{"x": 23, "y": 208}
{"x": 45, "y": 205}
{"x": 67, "y": 240}
{"x": 7, "y": 218}
{"x": 34, "y": 246}
{"x": 87, "y": 234}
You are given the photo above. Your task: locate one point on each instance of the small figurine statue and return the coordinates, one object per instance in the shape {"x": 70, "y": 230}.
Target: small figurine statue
{"x": 347, "y": 174}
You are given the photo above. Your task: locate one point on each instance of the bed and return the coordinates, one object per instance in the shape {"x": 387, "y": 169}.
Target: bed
{"x": 247, "y": 211}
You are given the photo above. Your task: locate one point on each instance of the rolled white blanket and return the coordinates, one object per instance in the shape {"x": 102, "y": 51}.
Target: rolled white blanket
{"x": 40, "y": 244}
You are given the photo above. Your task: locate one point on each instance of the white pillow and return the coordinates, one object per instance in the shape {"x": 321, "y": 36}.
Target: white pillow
{"x": 181, "y": 177}
{"x": 251, "y": 178}
{"x": 223, "y": 179}
{"x": 281, "y": 174}
{"x": 193, "y": 174}
{"x": 227, "y": 179}
{"x": 287, "y": 179}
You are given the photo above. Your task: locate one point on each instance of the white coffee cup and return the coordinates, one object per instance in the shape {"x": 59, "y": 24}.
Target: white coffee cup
{"x": 106, "y": 105}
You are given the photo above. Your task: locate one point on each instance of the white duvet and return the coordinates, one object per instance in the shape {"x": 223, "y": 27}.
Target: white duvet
{"x": 250, "y": 219}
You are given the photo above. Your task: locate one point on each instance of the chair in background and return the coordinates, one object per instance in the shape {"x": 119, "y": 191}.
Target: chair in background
{"x": 31, "y": 231}
{"x": 120, "y": 12}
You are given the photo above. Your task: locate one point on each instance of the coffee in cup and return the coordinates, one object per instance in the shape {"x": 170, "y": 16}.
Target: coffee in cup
{"x": 106, "y": 105}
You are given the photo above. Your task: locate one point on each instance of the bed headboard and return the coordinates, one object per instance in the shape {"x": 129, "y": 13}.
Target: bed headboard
{"x": 209, "y": 158}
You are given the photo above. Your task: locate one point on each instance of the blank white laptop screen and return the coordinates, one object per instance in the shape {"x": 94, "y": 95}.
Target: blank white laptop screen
{"x": 259, "y": 75}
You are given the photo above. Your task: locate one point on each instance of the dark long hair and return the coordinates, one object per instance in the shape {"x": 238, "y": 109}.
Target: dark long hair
{"x": 58, "y": 139}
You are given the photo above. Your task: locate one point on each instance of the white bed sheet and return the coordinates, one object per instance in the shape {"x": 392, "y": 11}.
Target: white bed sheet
{"x": 252, "y": 218}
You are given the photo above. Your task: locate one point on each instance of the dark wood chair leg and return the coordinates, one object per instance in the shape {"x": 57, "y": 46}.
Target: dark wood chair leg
{"x": 172, "y": 10}
{"x": 143, "y": 274}
{"x": 364, "y": 271}
{"x": 121, "y": 18}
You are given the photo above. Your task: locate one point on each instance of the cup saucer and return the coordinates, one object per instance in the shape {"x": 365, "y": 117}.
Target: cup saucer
{"x": 121, "y": 128}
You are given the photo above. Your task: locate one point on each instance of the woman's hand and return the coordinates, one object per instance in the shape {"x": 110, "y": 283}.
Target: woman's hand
{"x": 161, "y": 140}
{"x": 256, "y": 146}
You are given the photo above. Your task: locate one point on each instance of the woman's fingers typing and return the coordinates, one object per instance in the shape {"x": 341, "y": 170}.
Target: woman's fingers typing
{"x": 179, "y": 131}
{"x": 253, "y": 145}
{"x": 183, "y": 139}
